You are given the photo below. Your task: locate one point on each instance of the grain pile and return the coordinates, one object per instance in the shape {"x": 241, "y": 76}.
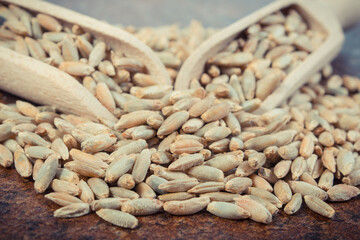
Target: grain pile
{"x": 185, "y": 151}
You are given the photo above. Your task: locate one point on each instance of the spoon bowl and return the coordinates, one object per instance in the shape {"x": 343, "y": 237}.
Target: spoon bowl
{"x": 319, "y": 17}
{"x": 41, "y": 83}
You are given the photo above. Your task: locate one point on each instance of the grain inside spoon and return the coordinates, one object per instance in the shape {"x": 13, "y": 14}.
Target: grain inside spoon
{"x": 319, "y": 17}
{"x": 41, "y": 83}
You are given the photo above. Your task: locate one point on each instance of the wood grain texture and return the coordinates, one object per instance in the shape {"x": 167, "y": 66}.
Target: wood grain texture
{"x": 27, "y": 215}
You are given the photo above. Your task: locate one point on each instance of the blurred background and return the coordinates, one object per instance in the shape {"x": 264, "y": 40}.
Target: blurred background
{"x": 211, "y": 13}
{"x": 140, "y": 13}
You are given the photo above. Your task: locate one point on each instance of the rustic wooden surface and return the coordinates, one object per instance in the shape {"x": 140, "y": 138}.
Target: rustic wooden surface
{"x": 27, "y": 215}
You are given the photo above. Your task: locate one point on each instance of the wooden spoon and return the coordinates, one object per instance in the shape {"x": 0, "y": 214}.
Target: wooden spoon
{"x": 41, "y": 83}
{"x": 325, "y": 16}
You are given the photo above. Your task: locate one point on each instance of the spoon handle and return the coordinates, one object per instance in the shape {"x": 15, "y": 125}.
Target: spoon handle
{"x": 36, "y": 81}
{"x": 347, "y": 11}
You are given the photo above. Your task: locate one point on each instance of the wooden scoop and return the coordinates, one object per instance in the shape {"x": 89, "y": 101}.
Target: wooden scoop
{"x": 41, "y": 83}
{"x": 326, "y": 16}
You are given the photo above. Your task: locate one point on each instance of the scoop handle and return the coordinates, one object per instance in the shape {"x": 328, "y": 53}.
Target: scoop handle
{"x": 347, "y": 11}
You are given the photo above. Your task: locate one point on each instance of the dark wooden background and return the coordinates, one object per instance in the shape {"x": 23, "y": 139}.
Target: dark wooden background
{"x": 27, "y": 215}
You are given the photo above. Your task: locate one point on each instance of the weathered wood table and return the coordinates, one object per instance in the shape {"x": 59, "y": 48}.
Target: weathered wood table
{"x": 27, "y": 215}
